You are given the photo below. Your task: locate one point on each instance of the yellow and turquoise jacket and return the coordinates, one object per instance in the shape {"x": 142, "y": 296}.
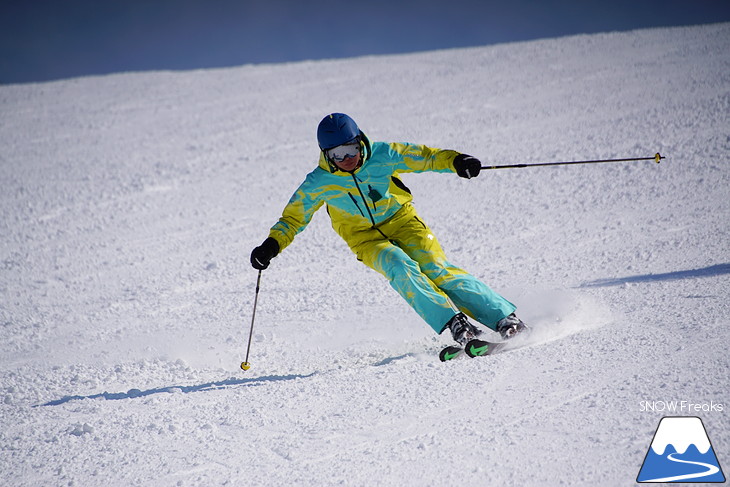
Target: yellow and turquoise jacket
{"x": 366, "y": 199}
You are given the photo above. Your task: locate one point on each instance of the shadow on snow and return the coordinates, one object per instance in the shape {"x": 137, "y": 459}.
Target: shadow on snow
{"x": 712, "y": 271}
{"x": 209, "y": 386}
{"x": 134, "y": 393}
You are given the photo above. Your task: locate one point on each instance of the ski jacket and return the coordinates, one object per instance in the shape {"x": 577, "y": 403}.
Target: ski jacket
{"x": 365, "y": 199}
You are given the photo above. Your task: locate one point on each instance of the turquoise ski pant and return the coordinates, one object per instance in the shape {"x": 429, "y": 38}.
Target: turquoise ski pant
{"x": 406, "y": 252}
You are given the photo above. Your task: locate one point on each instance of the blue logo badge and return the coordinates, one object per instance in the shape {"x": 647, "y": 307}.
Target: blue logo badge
{"x": 681, "y": 452}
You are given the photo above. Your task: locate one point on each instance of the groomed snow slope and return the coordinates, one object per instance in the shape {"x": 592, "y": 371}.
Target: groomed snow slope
{"x": 130, "y": 204}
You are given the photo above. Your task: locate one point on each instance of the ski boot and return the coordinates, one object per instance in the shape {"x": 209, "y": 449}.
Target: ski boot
{"x": 462, "y": 332}
{"x": 511, "y": 326}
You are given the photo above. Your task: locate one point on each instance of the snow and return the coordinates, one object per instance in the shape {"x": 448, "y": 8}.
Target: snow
{"x": 131, "y": 202}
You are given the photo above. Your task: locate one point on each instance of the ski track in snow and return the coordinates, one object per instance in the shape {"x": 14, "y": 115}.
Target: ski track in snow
{"x": 131, "y": 202}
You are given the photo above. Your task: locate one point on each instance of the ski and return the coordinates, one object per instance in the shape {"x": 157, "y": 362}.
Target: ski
{"x": 474, "y": 348}
{"x": 479, "y": 348}
{"x": 450, "y": 353}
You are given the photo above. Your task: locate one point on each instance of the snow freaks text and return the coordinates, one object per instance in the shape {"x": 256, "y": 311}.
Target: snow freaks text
{"x": 681, "y": 407}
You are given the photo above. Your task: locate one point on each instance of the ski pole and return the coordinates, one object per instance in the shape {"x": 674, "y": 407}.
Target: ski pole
{"x": 245, "y": 365}
{"x": 657, "y": 158}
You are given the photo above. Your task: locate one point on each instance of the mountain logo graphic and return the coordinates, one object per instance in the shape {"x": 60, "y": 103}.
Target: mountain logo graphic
{"x": 680, "y": 452}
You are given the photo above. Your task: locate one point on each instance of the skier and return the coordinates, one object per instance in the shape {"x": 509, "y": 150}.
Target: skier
{"x": 371, "y": 210}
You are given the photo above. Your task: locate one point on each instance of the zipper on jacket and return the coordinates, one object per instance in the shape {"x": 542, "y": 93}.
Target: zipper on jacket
{"x": 358, "y": 205}
{"x": 357, "y": 185}
{"x": 372, "y": 219}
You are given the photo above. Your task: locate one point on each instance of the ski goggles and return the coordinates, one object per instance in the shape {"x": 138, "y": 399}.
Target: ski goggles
{"x": 344, "y": 151}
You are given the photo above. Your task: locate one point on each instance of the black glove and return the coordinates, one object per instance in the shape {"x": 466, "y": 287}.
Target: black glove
{"x": 261, "y": 256}
{"x": 467, "y": 166}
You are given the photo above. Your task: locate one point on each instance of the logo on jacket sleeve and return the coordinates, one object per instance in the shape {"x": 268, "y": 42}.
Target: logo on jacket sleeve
{"x": 681, "y": 452}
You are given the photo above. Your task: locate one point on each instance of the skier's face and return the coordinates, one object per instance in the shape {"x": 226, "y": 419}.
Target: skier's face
{"x": 346, "y": 157}
{"x": 349, "y": 164}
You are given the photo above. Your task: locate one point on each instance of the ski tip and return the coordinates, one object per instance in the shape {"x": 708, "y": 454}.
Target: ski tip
{"x": 450, "y": 353}
{"x": 477, "y": 348}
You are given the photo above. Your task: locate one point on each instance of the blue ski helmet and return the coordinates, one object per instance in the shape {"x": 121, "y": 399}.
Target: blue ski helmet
{"x": 336, "y": 129}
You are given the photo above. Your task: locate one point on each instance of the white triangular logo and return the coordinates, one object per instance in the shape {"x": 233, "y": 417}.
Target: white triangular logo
{"x": 681, "y": 452}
